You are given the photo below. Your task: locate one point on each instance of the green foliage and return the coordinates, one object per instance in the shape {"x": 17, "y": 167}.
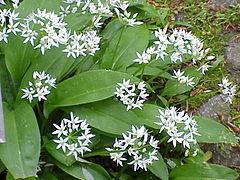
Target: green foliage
{"x": 203, "y": 172}
{"x": 123, "y": 46}
{"x": 86, "y": 86}
{"x": 213, "y": 132}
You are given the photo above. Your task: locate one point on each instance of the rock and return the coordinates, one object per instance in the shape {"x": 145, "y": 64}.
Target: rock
{"x": 180, "y": 17}
{"x": 215, "y": 107}
{"x": 224, "y": 154}
{"x": 221, "y": 4}
{"x": 232, "y": 55}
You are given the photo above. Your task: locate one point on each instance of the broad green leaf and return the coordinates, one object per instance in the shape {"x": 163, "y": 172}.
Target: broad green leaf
{"x": 27, "y": 6}
{"x": 84, "y": 88}
{"x": 58, "y": 154}
{"x": 123, "y": 46}
{"x": 148, "y": 114}
{"x": 213, "y": 132}
{"x": 78, "y": 21}
{"x": 108, "y": 116}
{"x": 112, "y": 28}
{"x": 85, "y": 171}
{"x": 159, "y": 168}
{"x": 203, "y": 172}
{"x": 20, "y": 153}
{"x": 18, "y": 57}
{"x": 173, "y": 87}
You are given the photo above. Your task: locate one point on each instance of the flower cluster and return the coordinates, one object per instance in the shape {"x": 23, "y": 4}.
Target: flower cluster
{"x": 40, "y": 87}
{"x": 181, "y": 127}
{"x": 73, "y": 136}
{"x": 183, "y": 79}
{"x": 46, "y": 27}
{"x": 83, "y": 43}
{"x": 100, "y": 10}
{"x": 228, "y": 90}
{"x": 176, "y": 46}
{"x": 139, "y": 145}
{"x": 47, "y": 30}
{"x": 9, "y": 22}
{"x": 131, "y": 95}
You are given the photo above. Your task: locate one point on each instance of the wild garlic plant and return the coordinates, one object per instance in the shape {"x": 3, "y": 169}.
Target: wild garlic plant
{"x": 91, "y": 88}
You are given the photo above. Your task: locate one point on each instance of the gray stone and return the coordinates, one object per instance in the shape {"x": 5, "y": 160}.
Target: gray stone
{"x": 224, "y": 154}
{"x": 232, "y": 55}
{"x": 180, "y": 17}
{"x": 222, "y": 4}
{"x": 215, "y": 107}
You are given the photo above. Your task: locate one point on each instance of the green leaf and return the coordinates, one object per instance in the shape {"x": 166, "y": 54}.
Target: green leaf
{"x": 58, "y": 154}
{"x": 148, "y": 114}
{"x": 18, "y": 57}
{"x": 27, "y": 6}
{"x": 123, "y": 47}
{"x": 78, "y": 21}
{"x": 203, "y": 172}
{"x": 112, "y": 28}
{"x": 173, "y": 87}
{"x": 84, "y": 88}
{"x": 159, "y": 168}
{"x": 108, "y": 116}
{"x": 85, "y": 171}
{"x": 213, "y": 132}
{"x": 20, "y": 153}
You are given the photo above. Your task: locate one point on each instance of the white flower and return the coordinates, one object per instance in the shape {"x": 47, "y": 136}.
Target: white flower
{"x": 204, "y": 68}
{"x": 28, "y": 93}
{"x": 117, "y": 157}
{"x": 209, "y": 58}
{"x": 3, "y": 35}
{"x": 143, "y": 58}
{"x": 73, "y": 136}
{"x": 225, "y": 83}
{"x": 61, "y": 130}
{"x": 228, "y": 90}
{"x": 180, "y": 127}
{"x": 139, "y": 145}
{"x": 62, "y": 143}
{"x": 183, "y": 79}
{"x": 175, "y": 137}
{"x": 40, "y": 88}
{"x": 2, "y": 2}
{"x": 130, "y": 95}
